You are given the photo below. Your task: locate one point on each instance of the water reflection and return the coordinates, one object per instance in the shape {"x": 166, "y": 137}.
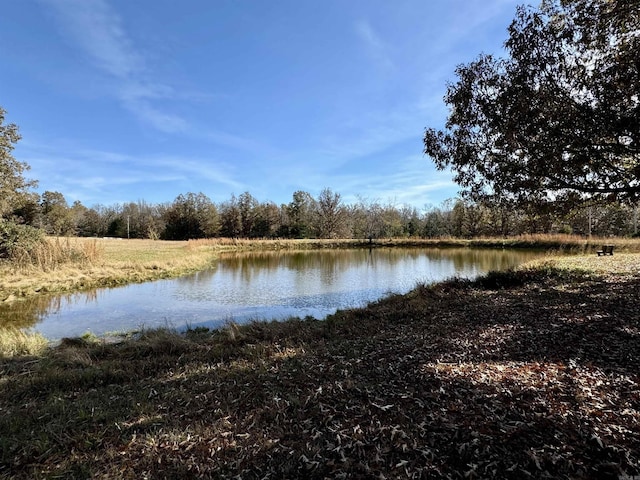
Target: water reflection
{"x": 28, "y": 312}
{"x": 257, "y": 285}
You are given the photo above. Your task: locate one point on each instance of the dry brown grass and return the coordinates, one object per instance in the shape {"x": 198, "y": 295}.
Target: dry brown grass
{"x": 16, "y": 342}
{"x": 537, "y": 241}
{"x": 81, "y": 263}
{"x": 231, "y": 244}
{"x": 526, "y": 374}
{"x": 55, "y": 252}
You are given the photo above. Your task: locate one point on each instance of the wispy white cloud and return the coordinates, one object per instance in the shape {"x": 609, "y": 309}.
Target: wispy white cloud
{"x": 236, "y": 142}
{"x": 97, "y": 30}
{"x": 201, "y": 168}
{"x": 356, "y": 137}
{"x": 476, "y": 14}
{"x": 91, "y": 175}
{"x": 372, "y": 141}
{"x": 160, "y": 120}
{"x": 135, "y": 90}
{"x": 408, "y": 180}
{"x": 376, "y": 48}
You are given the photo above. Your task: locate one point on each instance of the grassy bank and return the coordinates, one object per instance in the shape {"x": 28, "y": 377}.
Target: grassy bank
{"x": 569, "y": 243}
{"x": 113, "y": 262}
{"x": 526, "y": 374}
{"x": 82, "y": 263}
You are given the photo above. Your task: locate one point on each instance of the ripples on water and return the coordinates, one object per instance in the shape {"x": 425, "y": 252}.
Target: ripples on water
{"x": 251, "y": 286}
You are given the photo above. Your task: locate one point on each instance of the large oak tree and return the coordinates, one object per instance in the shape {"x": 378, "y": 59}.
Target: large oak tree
{"x": 559, "y": 117}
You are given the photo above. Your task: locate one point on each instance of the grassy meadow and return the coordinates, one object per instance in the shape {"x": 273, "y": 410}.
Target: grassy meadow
{"x": 530, "y": 373}
{"x": 70, "y": 264}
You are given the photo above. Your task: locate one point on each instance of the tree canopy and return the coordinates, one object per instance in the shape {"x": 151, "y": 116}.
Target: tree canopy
{"x": 559, "y": 117}
{"x": 13, "y": 186}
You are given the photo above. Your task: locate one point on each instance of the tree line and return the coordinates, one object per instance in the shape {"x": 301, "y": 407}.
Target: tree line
{"x": 194, "y": 216}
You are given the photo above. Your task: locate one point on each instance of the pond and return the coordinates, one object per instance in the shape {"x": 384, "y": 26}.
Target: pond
{"x": 255, "y": 286}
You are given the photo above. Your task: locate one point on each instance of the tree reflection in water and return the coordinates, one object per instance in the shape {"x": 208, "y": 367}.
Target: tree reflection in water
{"x": 28, "y": 312}
{"x": 256, "y": 285}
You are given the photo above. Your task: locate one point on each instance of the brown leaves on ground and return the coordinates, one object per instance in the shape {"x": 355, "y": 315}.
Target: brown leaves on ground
{"x": 531, "y": 374}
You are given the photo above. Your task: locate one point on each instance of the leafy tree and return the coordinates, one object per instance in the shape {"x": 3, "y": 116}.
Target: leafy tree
{"x": 392, "y": 222}
{"x": 230, "y": 218}
{"x": 89, "y": 224}
{"x": 191, "y": 216}
{"x": 366, "y": 219}
{"x": 18, "y": 240}
{"x": 28, "y": 211}
{"x": 56, "y": 216}
{"x": 457, "y": 219}
{"x": 267, "y": 220}
{"x": 77, "y": 211}
{"x": 500, "y": 217}
{"x": 141, "y": 220}
{"x": 435, "y": 223}
{"x": 247, "y": 206}
{"x": 559, "y": 118}
{"x": 117, "y": 227}
{"x": 300, "y": 213}
{"x": 14, "y": 188}
{"x": 604, "y": 220}
{"x": 17, "y": 203}
{"x": 412, "y": 224}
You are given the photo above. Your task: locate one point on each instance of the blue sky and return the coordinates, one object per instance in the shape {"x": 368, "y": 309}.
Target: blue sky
{"x": 122, "y": 100}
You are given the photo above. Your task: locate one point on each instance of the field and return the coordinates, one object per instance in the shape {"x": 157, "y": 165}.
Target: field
{"x": 108, "y": 262}
{"x": 531, "y": 373}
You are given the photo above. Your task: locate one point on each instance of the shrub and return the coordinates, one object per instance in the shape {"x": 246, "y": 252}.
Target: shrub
{"x": 26, "y": 247}
{"x": 17, "y": 240}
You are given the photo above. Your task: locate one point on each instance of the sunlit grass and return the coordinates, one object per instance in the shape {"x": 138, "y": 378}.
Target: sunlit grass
{"x": 55, "y": 252}
{"x": 619, "y": 263}
{"x": 15, "y": 342}
{"x": 98, "y": 263}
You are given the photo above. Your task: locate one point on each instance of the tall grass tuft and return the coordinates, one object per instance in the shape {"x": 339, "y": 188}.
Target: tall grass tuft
{"x": 14, "y": 342}
{"x": 55, "y": 252}
{"x": 157, "y": 342}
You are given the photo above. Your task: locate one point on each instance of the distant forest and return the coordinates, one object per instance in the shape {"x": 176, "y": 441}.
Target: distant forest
{"x": 194, "y": 215}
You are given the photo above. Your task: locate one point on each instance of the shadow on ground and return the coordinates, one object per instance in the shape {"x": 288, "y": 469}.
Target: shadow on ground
{"x": 537, "y": 378}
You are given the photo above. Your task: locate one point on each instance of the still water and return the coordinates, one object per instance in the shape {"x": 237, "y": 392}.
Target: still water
{"x": 251, "y": 286}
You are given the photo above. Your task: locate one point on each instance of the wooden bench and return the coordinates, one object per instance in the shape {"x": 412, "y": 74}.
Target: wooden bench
{"x": 606, "y": 250}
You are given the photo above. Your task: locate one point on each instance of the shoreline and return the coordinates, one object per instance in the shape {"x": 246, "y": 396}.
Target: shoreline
{"x": 122, "y": 261}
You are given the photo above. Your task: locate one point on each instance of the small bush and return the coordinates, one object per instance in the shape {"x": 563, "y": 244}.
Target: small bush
{"x": 18, "y": 240}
